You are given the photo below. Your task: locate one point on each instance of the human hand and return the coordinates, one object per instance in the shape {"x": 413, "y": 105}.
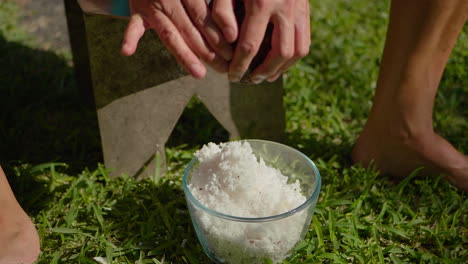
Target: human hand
{"x": 290, "y": 39}
{"x": 187, "y": 30}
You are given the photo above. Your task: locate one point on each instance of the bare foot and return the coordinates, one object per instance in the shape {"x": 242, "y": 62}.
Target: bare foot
{"x": 19, "y": 241}
{"x": 399, "y": 136}
{"x": 399, "y": 155}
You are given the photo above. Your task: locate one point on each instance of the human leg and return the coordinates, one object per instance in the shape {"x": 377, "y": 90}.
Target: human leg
{"x": 19, "y": 242}
{"x": 398, "y": 136}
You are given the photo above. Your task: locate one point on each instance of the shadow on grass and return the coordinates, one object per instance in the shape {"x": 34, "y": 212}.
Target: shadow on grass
{"x": 36, "y": 187}
{"x": 154, "y": 219}
{"x": 42, "y": 116}
{"x": 324, "y": 148}
{"x": 197, "y": 127}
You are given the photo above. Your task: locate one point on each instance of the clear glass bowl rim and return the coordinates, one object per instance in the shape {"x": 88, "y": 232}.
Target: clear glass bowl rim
{"x": 296, "y": 210}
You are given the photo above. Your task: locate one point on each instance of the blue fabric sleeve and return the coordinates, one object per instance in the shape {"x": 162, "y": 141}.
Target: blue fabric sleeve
{"x": 120, "y": 8}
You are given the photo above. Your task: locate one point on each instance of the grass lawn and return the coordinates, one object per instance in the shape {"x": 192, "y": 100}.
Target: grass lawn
{"x": 50, "y": 150}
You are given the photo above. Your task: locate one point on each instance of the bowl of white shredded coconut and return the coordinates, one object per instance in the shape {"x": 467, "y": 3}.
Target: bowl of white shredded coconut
{"x": 250, "y": 200}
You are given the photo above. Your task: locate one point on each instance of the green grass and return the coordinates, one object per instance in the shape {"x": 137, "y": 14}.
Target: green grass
{"x": 49, "y": 147}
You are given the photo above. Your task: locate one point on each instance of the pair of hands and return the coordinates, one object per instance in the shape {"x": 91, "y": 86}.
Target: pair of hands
{"x": 193, "y": 33}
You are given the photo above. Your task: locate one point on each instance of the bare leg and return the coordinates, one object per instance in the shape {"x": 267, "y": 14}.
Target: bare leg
{"x": 19, "y": 242}
{"x": 399, "y": 136}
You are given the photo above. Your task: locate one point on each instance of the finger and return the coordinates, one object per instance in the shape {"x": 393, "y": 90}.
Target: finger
{"x": 224, "y": 17}
{"x": 251, "y": 35}
{"x": 275, "y": 77}
{"x": 281, "y": 70}
{"x": 193, "y": 37}
{"x": 174, "y": 42}
{"x": 282, "y": 50}
{"x": 302, "y": 37}
{"x": 133, "y": 33}
{"x": 302, "y": 29}
{"x": 199, "y": 13}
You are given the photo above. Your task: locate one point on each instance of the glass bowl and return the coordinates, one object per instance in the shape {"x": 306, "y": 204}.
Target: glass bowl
{"x": 232, "y": 239}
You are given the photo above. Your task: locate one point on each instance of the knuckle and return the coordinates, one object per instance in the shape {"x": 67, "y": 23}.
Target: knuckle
{"x": 286, "y": 53}
{"x": 185, "y": 32}
{"x": 259, "y": 4}
{"x": 199, "y": 20}
{"x": 198, "y": 17}
{"x": 219, "y": 14}
{"x": 158, "y": 5}
{"x": 290, "y": 3}
{"x": 302, "y": 52}
{"x": 167, "y": 35}
{"x": 247, "y": 47}
{"x": 288, "y": 8}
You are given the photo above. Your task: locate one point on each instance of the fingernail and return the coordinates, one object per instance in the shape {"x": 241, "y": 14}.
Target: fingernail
{"x": 272, "y": 79}
{"x": 125, "y": 48}
{"x": 258, "y": 79}
{"x": 235, "y": 77}
{"x": 197, "y": 70}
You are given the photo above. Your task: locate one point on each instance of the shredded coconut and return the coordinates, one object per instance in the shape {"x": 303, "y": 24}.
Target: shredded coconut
{"x": 231, "y": 180}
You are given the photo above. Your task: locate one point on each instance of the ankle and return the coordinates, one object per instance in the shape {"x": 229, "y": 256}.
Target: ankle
{"x": 14, "y": 219}
{"x": 19, "y": 240}
{"x": 397, "y": 128}
{"x": 409, "y": 134}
